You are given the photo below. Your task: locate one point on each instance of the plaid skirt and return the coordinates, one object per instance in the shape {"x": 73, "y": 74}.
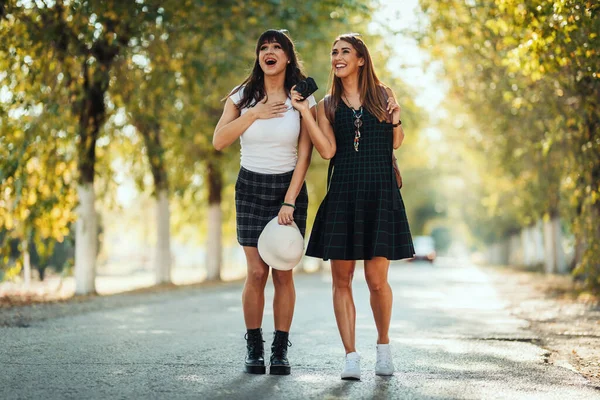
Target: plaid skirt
{"x": 258, "y": 199}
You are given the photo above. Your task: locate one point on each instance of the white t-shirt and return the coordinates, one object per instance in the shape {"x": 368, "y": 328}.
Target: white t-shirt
{"x": 270, "y": 146}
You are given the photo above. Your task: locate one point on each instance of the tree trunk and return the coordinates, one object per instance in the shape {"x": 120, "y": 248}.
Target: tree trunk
{"x": 538, "y": 238}
{"x": 85, "y": 241}
{"x": 214, "y": 245}
{"x": 549, "y": 250}
{"x": 162, "y": 260}
{"x": 515, "y": 250}
{"x": 87, "y": 88}
{"x": 92, "y": 113}
{"x": 529, "y": 246}
{"x": 150, "y": 131}
{"x": 26, "y": 263}
{"x": 579, "y": 251}
{"x": 561, "y": 261}
{"x": 554, "y": 260}
{"x": 497, "y": 253}
{"x": 214, "y": 249}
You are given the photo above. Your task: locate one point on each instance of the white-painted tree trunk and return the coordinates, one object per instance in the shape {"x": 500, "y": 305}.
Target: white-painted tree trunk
{"x": 162, "y": 259}
{"x": 579, "y": 251}
{"x": 538, "y": 238}
{"x": 555, "y": 261}
{"x": 533, "y": 244}
{"x": 549, "y": 260}
{"x": 86, "y": 230}
{"x": 214, "y": 246}
{"x": 515, "y": 250}
{"x": 26, "y": 263}
{"x": 528, "y": 246}
{"x": 561, "y": 260}
{"x": 497, "y": 253}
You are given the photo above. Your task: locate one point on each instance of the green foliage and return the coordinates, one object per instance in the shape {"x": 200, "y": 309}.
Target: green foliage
{"x": 56, "y": 59}
{"x": 76, "y": 78}
{"x": 37, "y": 171}
{"x": 218, "y": 51}
{"x": 167, "y": 64}
{"x": 528, "y": 72}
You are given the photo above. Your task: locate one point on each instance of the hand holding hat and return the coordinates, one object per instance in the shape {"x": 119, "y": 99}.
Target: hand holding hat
{"x": 281, "y": 246}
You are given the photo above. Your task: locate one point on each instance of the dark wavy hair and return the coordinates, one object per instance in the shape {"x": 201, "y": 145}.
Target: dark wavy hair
{"x": 372, "y": 90}
{"x": 254, "y": 87}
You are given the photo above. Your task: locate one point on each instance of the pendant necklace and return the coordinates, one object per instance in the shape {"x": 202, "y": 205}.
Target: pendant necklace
{"x": 357, "y": 114}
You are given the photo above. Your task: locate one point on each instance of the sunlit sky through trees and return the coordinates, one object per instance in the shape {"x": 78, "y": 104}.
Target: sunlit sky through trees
{"x": 408, "y": 60}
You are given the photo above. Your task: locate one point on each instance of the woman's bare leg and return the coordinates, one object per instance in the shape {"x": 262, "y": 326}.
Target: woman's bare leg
{"x": 253, "y": 296}
{"x": 284, "y": 299}
{"x": 342, "y": 272}
{"x": 376, "y": 274}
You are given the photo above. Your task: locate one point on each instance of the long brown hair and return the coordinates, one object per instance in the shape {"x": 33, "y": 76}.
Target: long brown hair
{"x": 372, "y": 91}
{"x": 254, "y": 85}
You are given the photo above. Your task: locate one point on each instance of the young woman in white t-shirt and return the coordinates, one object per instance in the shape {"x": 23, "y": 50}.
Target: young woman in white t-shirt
{"x": 275, "y": 155}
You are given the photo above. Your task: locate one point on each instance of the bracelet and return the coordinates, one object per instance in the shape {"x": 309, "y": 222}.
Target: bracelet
{"x": 398, "y": 124}
{"x": 289, "y": 205}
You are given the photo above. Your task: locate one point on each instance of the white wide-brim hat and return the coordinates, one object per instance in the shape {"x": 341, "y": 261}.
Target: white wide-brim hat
{"x": 281, "y": 246}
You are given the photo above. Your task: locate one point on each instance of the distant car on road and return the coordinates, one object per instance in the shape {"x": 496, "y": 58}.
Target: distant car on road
{"x": 424, "y": 248}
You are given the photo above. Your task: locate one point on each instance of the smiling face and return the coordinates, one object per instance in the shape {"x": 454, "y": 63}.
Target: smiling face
{"x": 272, "y": 58}
{"x": 345, "y": 60}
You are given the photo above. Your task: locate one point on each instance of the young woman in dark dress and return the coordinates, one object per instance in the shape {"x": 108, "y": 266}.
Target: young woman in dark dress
{"x": 362, "y": 217}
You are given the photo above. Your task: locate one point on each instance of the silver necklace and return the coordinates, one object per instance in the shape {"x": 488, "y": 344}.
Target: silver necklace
{"x": 357, "y": 114}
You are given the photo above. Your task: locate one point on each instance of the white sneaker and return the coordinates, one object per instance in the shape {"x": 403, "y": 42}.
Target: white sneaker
{"x": 352, "y": 368}
{"x": 384, "y": 365}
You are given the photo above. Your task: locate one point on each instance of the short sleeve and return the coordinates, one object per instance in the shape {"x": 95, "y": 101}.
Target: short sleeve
{"x": 311, "y": 101}
{"x": 237, "y": 96}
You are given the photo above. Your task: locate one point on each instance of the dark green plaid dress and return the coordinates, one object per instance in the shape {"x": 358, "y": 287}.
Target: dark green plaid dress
{"x": 362, "y": 216}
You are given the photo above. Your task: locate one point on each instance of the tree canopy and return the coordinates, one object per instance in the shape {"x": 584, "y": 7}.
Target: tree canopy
{"x": 528, "y": 73}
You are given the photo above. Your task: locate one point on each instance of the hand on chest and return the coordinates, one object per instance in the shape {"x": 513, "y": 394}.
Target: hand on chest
{"x": 279, "y": 129}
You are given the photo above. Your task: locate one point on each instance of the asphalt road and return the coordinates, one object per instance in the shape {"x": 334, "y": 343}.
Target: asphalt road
{"x": 451, "y": 334}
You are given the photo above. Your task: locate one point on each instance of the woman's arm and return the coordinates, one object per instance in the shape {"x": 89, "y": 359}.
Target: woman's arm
{"x": 304, "y": 156}
{"x": 395, "y": 110}
{"x": 231, "y": 125}
{"x": 398, "y": 137}
{"x": 319, "y": 128}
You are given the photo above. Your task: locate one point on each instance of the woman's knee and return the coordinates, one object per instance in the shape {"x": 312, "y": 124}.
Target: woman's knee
{"x": 282, "y": 278}
{"x": 376, "y": 285}
{"x": 258, "y": 271}
{"x": 376, "y": 273}
{"x": 342, "y": 278}
{"x": 376, "y": 281}
{"x": 258, "y": 275}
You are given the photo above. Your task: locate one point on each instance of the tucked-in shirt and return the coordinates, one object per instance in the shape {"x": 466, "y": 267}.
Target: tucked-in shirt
{"x": 270, "y": 146}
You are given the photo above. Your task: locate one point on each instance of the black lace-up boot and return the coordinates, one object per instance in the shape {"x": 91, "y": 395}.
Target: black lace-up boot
{"x": 255, "y": 357}
{"x": 279, "y": 361}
